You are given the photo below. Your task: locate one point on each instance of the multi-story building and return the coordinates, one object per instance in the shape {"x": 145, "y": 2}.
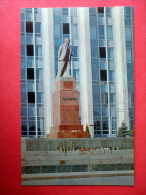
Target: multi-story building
{"x": 102, "y": 65}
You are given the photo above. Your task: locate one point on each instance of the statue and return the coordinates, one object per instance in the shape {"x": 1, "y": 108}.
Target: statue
{"x": 64, "y": 59}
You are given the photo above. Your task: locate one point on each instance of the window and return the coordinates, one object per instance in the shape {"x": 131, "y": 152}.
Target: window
{"x": 30, "y": 50}
{"x": 97, "y": 125}
{"x": 96, "y": 99}
{"x": 95, "y": 75}
{"x": 64, "y": 11}
{"x": 128, "y": 33}
{"x": 30, "y": 73}
{"x": 96, "y": 111}
{"x": 65, "y": 28}
{"x": 101, "y": 30}
{"x": 105, "y": 98}
{"x": 38, "y": 27}
{"x": 102, "y": 52}
{"x": 105, "y": 125}
{"x": 109, "y": 32}
{"x": 31, "y": 97}
{"x": 103, "y": 75}
{"x": 93, "y": 31}
{"x": 29, "y": 27}
{"x": 100, "y": 10}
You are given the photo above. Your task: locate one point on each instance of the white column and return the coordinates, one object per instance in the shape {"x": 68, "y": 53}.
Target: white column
{"x": 120, "y": 66}
{"x": 85, "y": 69}
{"x": 48, "y": 64}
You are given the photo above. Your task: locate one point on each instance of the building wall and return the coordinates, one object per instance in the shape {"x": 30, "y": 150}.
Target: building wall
{"x": 102, "y": 65}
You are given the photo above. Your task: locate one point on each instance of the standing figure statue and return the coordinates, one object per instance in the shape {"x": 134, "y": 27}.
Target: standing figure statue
{"x": 64, "y": 59}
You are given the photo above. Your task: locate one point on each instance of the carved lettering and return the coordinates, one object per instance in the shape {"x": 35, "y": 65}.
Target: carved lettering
{"x": 69, "y": 99}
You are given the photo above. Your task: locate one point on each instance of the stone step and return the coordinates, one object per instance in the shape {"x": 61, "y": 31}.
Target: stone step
{"x": 50, "y": 176}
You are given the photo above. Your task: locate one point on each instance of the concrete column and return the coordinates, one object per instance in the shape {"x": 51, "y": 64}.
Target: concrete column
{"x": 85, "y": 69}
{"x": 48, "y": 64}
{"x": 120, "y": 66}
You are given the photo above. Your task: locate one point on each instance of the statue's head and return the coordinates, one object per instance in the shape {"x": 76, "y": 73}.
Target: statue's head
{"x": 67, "y": 40}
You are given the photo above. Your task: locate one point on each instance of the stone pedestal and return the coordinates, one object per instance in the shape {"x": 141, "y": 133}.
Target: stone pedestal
{"x": 66, "y": 111}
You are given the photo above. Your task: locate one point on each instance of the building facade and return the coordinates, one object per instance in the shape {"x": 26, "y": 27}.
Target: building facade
{"x": 102, "y": 65}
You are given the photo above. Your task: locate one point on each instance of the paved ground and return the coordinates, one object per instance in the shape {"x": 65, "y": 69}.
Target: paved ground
{"x": 124, "y": 178}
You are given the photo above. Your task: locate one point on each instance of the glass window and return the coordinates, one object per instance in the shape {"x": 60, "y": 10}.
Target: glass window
{"x": 95, "y": 65}
{"x": 96, "y": 88}
{"x": 57, "y": 30}
{"x": 110, "y": 53}
{"x": 76, "y": 74}
{"x": 113, "y": 99}
{"x": 38, "y": 50}
{"x": 129, "y": 55}
{"x": 30, "y": 87}
{"x": 40, "y": 112}
{"x": 40, "y": 97}
{"x": 130, "y": 75}
{"x": 74, "y": 30}
{"x": 38, "y": 27}
{"x": 128, "y": 33}
{"x": 30, "y": 51}
{"x": 93, "y": 31}
{"x": 105, "y": 126}
{"x": 31, "y": 97}
{"x": 29, "y": 17}
{"x": 109, "y": 32}
{"x": 23, "y": 112}
{"x": 111, "y": 75}
{"x": 23, "y": 50}
{"x": 64, "y": 11}
{"x": 108, "y": 11}
{"x": 96, "y": 111}
{"x": 31, "y": 125}
{"x": 95, "y": 75}
{"x": 23, "y": 97}
{"x": 23, "y": 73}
{"x": 40, "y": 125}
{"x": 102, "y": 52}
{"x": 75, "y": 51}
{"x": 96, "y": 98}
{"x": 100, "y": 11}
{"x": 105, "y": 98}
{"x": 22, "y": 26}
{"x": 39, "y": 64}
{"x": 94, "y": 52}
{"x": 127, "y": 10}
{"x": 65, "y": 28}
{"x": 39, "y": 74}
{"x": 128, "y": 21}
{"x": 30, "y": 73}
{"x": 130, "y": 87}
{"x": 114, "y": 123}
{"x": 101, "y": 30}
{"x": 23, "y": 87}
{"x": 104, "y": 112}
{"x": 131, "y": 99}
{"x": 29, "y": 27}
{"x": 97, "y": 125}
{"x": 31, "y": 111}
{"x": 103, "y": 75}
{"x": 24, "y": 125}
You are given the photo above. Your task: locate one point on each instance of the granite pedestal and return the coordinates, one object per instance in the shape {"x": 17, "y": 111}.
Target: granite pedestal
{"x": 66, "y": 111}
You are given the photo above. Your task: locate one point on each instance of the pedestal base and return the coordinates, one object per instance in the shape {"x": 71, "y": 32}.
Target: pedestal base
{"x": 67, "y": 131}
